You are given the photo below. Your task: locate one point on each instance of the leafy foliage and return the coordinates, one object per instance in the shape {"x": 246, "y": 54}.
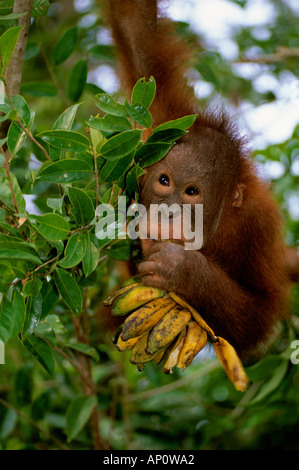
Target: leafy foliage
{"x": 69, "y": 156}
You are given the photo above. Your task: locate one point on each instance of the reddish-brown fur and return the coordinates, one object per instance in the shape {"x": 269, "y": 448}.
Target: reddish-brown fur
{"x": 237, "y": 281}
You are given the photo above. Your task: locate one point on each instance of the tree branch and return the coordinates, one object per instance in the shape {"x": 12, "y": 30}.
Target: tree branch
{"x": 281, "y": 54}
{"x": 14, "y": 71}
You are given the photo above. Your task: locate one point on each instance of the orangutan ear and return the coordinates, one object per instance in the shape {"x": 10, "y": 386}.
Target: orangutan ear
{"x": 238, "y": 199}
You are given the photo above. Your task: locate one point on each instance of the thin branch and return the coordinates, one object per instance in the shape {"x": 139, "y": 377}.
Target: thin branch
{"x": 246, "y": 399}
{"x": 45, "y": 264}
{"x": 27, "y": 132}
{"x": 112, "y": 193}
{"x": 102, "y": 259}
{"x": 82, "y": 333}
{"x": 281, "y": 54}
{"x": 80, "y": 228}
{"x": 7, "y": 170}
{"x": 77, "y": 367}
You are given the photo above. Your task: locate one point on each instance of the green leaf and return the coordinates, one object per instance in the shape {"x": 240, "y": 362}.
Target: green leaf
{"x": 121, "y": 250}
{"x": 51, "y": 226}
{"x": 65, "y": 46}
{"x": 12, "y": 315}
{"x": 74, "y": 251}
{"x": 66, "y": 140}
{"x": 40, "y": 8}
{"x": 273, "y": 383}
{"x": 12, "y": 269}
{"x": 83, "y": 208}
{"x": 149, "y": 154}
{"x": 32, "y": 287}
{"x": 77, "y": 80}
{"x": 16, "y": 135}
{"x": 97, "y": 139}
{"x": 45, "y": 331}
{"x": 19, "y": 308}
{"x": 55, "y": 203}
{"x": 103, "y": 52}
{"x": 139, "y": 113}
{"x": 66, "y": 119}
{"x": 121, "y": 144}
{"x": 8, "y": 42}
{"x": 85, "y": 349}
{"x": 55, "y": 323}
{"x": 109, "y": 124}
{"x": 32, "y": 49}
{"x": 107, "y": 104}
{"x": 39, "y": 89}
{"x": 181, "y": 123}
{"x": 166, "y": 135}
{"x": 263, "y": 369}
{"x": 12, "y": 16}
{"x": 33, "y": 314}
{"x": 91, "y": 256}
{"x": 38, "y": 153}
{"x": 69, "y": 290}
{"x": 93, "y": 89}
{"x": 50, "y": 297}
{"x": 12, "y": 253}
{"x": 144, "y": 92}
{"x": 64, "y": 171}
{"x": 132, "y": 179}
{"x": 78, "y": 414}
{"x": 24, "y": 111}
{"x": 6, "y": 313}
{"x": 42, "y": 352}
{"x": 206, "y": 71}
{"x": 114, "y": 169}
{"x": 13, "y": 231}
{"x": 5, "y": 192}
{"x": 16, "y": 138}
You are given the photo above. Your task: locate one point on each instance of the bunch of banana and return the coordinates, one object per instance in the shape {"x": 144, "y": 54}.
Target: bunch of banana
{"x": 162, "y": 326}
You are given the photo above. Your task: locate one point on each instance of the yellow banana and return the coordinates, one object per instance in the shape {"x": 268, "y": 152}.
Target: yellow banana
{"x": 231, "y": 364}
{"x": 125, "y": 345}
{"x": 116, "y": 334}
{"x": 195, "y": 340}
{"x": 163, "y": 324}
{"x": 159, "y": 357}
{"x": 139, "y": 354}
{"x": 173, "y": 354}
{"x": 167, "y": 329}
{"x": 194, "y": 313}
{"x": 146, "y": 317}
{"x": 109, "y": 301}
{"x": 135, "y": 297}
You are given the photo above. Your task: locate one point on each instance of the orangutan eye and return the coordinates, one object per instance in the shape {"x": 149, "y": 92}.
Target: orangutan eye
{"x": 164, "y": 180}
{"x": 192, "y": 191}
